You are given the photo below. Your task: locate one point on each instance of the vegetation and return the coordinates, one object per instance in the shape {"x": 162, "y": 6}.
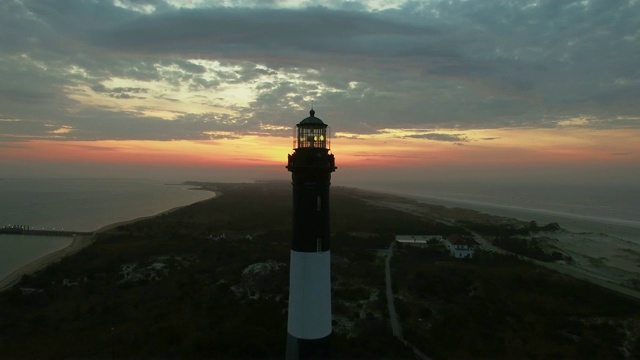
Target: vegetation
{"x": 517, "y": 238}
{"x": 497, "y": 306}
{"x": 534, "y": 248}
{"x": 508, "y": 229}
{"x": 174, "y": 286}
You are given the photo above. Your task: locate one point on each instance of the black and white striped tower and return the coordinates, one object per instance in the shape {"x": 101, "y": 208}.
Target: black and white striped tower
{"x": 311, "y": 165}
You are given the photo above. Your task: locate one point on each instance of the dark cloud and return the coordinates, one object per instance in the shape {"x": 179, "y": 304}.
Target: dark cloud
{"x": 120, "y": 92}
{"x": 222, "y": 137}
{"x": 95, "y": 124}
{"x": 21, "y": 129}
{"x": 231, "y": 32}
{"x": 103, "y": 89}
{"x": 377, "y": 156}
{"x": 440, "y": 137}
{"x": 191, "y": 67}
{"x": 124, "y": 96}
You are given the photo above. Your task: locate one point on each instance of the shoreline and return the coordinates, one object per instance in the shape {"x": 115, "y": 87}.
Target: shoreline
{"x": 625, "y": 229}
{"x": 604, "y": 253}
{"x": 78, "y": 243}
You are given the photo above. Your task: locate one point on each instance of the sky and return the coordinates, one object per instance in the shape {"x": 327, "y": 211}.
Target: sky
{"x": 491, "y": 90}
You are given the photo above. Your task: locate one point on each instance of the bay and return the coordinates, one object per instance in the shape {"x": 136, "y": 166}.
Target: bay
{"x": 78, "y": 205}
{"x": 18, "y": 250}
{"x": 87, "y": 204}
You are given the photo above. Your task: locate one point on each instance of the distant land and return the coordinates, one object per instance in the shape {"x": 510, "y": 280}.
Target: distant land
{"x": 209, "y": 280}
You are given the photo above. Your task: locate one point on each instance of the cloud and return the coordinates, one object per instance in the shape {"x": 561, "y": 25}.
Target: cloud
{"x": 103, "y": 89}
{"x": 233, "y": 32}
{"x": 440, "y": 137}
{"x": 257, "y": 66}
{"x": 120, "y": 92}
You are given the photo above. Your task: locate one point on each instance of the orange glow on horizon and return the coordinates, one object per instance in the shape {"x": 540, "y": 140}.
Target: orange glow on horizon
{"x": 512, "y": 147}
{"x": 235, "y": 152}
{"x": 494, "y": 147}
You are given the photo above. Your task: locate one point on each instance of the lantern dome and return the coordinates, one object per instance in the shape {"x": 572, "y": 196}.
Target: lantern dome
{"x": 312, "y": 120}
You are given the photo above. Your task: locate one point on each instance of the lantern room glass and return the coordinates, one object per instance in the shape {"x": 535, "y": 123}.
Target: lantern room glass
{"x": 312, "y": 137}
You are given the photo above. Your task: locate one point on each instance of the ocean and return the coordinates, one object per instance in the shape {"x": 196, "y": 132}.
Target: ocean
{"x": 77, "y": 204}
{"x": 613, "y": 209}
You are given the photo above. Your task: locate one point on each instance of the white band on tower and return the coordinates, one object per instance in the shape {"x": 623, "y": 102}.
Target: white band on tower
{"x": 310, "y": 295}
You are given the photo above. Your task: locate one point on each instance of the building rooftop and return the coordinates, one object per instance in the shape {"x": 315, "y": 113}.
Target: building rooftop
{"x": 416, "y": 238}
{"x": 312, "y": 120}
{"x": 457, "y": 239}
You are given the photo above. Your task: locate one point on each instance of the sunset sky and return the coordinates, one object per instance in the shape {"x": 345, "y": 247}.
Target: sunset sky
{"x": 431, "y": 89}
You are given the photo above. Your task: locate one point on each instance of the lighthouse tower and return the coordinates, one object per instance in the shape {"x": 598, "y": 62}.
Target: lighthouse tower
{"x": 311, "y": 165}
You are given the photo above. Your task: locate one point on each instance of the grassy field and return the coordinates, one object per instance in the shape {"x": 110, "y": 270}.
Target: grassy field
{"x": 210, "y": 280}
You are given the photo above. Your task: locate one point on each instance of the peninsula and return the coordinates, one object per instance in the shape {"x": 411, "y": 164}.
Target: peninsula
{"x": 210, "y": 280}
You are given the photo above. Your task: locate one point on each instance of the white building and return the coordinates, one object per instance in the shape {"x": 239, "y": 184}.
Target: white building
{"x": 417, "y": 239}
{"x": 461, "y": 246}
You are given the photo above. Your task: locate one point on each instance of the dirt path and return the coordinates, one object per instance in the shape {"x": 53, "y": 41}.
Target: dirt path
{"x": 393, "y": 317}
{"x": 396, "y": 328}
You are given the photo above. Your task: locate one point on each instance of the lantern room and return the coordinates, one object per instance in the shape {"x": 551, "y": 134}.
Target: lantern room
{"x": 312, "y": 133}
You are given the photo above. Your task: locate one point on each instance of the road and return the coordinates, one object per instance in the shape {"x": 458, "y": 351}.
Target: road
{"x": 393, "y": 316}
{"x": 396, "y": 329}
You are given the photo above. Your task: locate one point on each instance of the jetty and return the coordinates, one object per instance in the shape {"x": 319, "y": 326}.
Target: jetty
{"x": 27, "y": 230}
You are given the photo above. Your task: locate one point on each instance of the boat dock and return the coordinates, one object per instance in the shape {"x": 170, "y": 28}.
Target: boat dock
{"x": 27, "y": 230}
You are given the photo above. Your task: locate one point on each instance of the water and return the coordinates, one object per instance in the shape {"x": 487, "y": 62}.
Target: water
{"x": 18, "y": 250}
{"x": 612, "y": 209}
{"x": 77, "y": 204}
{"x": 87, "y": 204}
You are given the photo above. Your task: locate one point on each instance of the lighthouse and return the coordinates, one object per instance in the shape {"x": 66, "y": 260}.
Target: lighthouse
{"x": 309, "y": 316}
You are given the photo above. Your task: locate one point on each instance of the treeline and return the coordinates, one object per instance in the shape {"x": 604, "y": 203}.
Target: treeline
{"x": 508, "y": 229}
{"x": 496, "y": 306}
{"x": 531, "y": 248}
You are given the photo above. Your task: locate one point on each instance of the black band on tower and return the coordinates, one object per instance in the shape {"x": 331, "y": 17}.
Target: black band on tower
{"x": 308, "y": 349}
{"x": 311, "y": 214}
